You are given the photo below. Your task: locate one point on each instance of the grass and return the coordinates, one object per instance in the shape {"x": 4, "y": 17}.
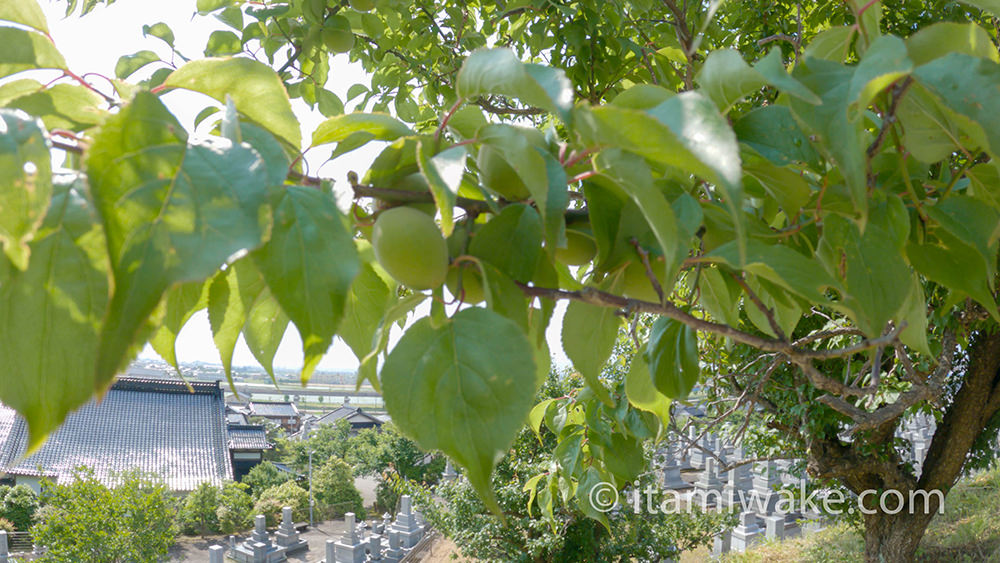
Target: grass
{"x": 968, "y": 531}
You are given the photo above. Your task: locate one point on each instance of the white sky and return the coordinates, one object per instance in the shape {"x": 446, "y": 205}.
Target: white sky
{"x": 94, "y": 43}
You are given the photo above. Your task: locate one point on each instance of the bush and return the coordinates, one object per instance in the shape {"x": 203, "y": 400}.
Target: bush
{"x": 264, "y": 476}
{"x": 198, "y": 515}
{"x": 19, "y": 506}
{"x": 86, "y": 522}
{"x": 6, "y": 525}
{"x": 235, "y": 511}
{"x": 386, "y": 497}
{"x": 272, "y": 500}
{"x": 334, "y": 490}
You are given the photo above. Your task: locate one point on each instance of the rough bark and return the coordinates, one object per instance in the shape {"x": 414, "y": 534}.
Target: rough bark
{"x": 893, "y": 538}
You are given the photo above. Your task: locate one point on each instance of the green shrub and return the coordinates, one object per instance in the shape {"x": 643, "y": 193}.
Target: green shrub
{"x": 334, "y": 490}
{"x": 386, "y": 497}
{"x": 235, "y": 511}
{"x": 272, "y": 500}
{"x": 6, "y": 525}
{"x": 19, "y": 506}
{"x": 264, "y": 476}
{"x": 84, "y": 521}
{"x": 198, "y": 514}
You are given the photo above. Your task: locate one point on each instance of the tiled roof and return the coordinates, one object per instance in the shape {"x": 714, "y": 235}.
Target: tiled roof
{"x": 248, "y": 437}
{"x": 157, "y": 426}
{"x": 237, "y": 418}
{"x": 274, "y": 409}
{"x": 348, "y": 413}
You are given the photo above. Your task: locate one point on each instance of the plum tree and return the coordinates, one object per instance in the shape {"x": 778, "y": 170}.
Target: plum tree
{"x": 815, "y": 185}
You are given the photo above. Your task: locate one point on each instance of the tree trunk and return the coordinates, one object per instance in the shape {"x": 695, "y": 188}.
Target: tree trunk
{"x": 893, "y": 538}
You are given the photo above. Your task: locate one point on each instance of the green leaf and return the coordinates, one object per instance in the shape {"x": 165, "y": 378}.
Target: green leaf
{"x": 54, "y": 307}
{"x": 591, "y": 486}
{"x": 914, "y": 314}
{"x": 943, "y": 38}
{"x": 836, "y": 136}
{"x": 309, "y": 265}
{"x": 773, "y": 69}
{"x": 720, "y": 297}
{"x": 26, "y": 50}
{"x": 180, "y": 302}
{"x": 885, "y": 62}
{"x": 206, "y": 6}
{"x": 641, "y": 392}
{"x": 127, "y": 65}
{"x": 623, "y": 458}
{"x": 632, "y": 175}
{"x": 786, "y": 310}
{"x": 254, "y": 87}
{"x": 930, "y": 131}
{"x": 726, "y": 78}
{"x": 991, "y": 6}
{"x": 63, "y": 106}
{"x": 161, "y": 31}
{"x": 381, "y": 127}
{"x": 567, "y": 452}
{"x": 781, "y": 265}
{"x": 870, "y": 267}
{"x": 270, "y": 150}
{"x": 672, "y": 356}
{"x": 832, "y": 44}
{"x": 24, "y": 12}
{"x": 172, "y": 212}
{"x": 366, "y": 303}
{"x": 264, "y": 329}
{"x": 965, "y": 84}
{"x": 588, "y": 337}
{"x": 25, "y": 182}
{"x": 974, "y": 224}
{"x": 444, "y": 176}
{"x": 955, "y": 265}
{"x": 511, "y": 241}
{"x": 775, "y": 135}
{"x": 536, "y": 416}
{"x": 231, "y": 296}
{"x": 686, "y": 131}
{"x": 223, "y": 42}
{"x": 499, "y": 71}
{"x": 464, "y": 388}
{"x": 785, "y": 185}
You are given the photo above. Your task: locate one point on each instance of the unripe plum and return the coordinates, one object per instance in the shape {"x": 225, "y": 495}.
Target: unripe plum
{"x": 409, "y": 245}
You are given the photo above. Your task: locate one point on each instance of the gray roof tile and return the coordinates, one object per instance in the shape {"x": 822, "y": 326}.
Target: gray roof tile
{"x": 248, "y": 437}
{"x": 156, "y": 426}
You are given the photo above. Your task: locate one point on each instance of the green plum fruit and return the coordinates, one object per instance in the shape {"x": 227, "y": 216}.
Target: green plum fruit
{"x": 580, "y": 248}
{"x": 471, "y": 283}
{"x": 410, "y": 247}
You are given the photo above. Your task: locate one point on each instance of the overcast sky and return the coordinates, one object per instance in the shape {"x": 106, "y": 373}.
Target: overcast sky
{"x": 92, "y": 44}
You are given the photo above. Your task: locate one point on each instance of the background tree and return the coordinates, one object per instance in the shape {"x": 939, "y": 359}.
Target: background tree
{"x": 18, "y": 505}
{"x": 235, "y": 510}
{"x": 264, "y": 476}
{"x": 272, "y": 501}
{"x": 809, "y": 189}
{"x": 334, "y": 491}
{"x": 198, "y": 514}
{"x": 83, "y": 520}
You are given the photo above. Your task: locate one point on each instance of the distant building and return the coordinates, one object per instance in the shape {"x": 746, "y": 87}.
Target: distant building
{"x": 247, "y": 443}
{"x": 356, "y": 417}
{"x": 159, "y": 426}
{"x": 284, "y": 414}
